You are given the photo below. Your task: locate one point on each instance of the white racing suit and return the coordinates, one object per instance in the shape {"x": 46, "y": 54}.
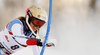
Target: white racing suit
{"x": 9, "y": 45}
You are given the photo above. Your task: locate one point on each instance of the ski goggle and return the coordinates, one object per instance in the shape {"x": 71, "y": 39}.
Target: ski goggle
{"x": 35, "y": 21}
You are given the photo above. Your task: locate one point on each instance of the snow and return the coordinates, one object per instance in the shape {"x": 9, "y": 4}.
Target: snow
{"x": 75, "y": 25}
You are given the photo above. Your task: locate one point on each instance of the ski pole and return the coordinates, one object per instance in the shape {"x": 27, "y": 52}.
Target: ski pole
{"x": 20, "y": 36}
{"x": 14, "y": 35}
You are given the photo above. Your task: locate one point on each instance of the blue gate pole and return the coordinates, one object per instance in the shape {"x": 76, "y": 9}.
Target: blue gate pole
{"x": 48, "y": 27}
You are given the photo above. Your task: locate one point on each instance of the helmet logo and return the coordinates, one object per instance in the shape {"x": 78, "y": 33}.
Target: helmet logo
{"x": 41, "y": 17}
{"x": 30, "y": 14}
{"x": 38, "y": 16}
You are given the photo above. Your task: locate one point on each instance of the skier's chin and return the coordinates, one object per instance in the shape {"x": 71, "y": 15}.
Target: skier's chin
{"x": 34, "y": 29}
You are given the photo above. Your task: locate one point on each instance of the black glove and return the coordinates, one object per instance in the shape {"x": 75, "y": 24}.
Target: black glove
{"x": 39, "y": 43}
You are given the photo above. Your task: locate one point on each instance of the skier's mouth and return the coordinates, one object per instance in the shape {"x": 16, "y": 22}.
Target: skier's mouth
{"x": 35, "y": 28}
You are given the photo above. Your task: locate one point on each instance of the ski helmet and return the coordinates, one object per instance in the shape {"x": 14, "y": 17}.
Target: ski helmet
{"x": 35, "y": 12}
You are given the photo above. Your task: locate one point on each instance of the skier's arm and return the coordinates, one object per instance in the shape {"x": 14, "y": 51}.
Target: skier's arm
{"x": 16, "y": 27}
{"x": 33, "y": 42}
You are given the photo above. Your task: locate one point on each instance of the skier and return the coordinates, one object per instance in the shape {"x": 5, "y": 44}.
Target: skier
{"x": 11, "y": 37}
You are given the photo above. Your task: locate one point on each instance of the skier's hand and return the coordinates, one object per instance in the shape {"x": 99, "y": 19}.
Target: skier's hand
{"x": 51, "y": 42}
{"x": 50, "y": 45}
{"x": 39, "y": 43}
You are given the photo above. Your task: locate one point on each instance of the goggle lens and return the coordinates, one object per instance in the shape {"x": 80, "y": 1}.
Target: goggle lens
{"x": 38, "y": 22}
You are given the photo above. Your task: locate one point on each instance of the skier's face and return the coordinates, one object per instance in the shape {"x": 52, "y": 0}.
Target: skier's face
{"x": 35, "y": 25}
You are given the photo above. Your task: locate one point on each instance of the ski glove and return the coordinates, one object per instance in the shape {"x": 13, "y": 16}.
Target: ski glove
{"x": 33, "y": 42}
{"x": 51, "y": 42}
{"x": 39, "y": 43}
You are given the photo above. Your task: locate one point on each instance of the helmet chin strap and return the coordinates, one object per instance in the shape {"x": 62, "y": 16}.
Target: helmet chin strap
{"x": 30, "y": 26}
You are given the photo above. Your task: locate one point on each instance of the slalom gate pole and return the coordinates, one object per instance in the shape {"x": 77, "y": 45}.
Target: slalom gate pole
{"x": 48, "y": 27}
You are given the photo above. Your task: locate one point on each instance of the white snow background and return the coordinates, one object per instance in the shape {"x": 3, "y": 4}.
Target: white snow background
{"x": 75, "y": 25}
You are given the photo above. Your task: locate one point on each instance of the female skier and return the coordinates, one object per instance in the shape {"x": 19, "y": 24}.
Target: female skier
{"x": 23, "y": 32}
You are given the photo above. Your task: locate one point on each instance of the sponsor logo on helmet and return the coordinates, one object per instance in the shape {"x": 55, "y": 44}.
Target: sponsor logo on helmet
{"x": 43, "y": 18}
{"x": 30, "y": 14}
{"x": 38, "y": 16}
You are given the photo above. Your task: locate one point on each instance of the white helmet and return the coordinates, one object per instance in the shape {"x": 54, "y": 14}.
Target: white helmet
{"x": 36, "y": 12}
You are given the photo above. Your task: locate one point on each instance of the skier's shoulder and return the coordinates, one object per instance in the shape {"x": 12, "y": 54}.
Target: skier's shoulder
{"x": 16, "y": 21}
